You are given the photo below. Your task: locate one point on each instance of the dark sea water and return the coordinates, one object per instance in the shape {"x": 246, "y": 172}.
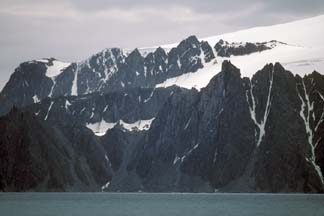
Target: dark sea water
{"x": 144, "y": 204}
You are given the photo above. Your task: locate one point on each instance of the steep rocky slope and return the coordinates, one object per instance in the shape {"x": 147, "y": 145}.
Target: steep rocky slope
{"x": 237, "y": 134}
{"x": 37, "y": 156}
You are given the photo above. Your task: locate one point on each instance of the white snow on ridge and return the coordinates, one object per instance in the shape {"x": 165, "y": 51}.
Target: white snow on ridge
{"x": 196, "y": 80}
{"x": 43, "y": 61}
{"x": 303, "y": 53}
{"x": 144, "y": 51}
{"x": 100, "y": 128}
{"x": 55, "y": 69}
{"x": 307, "y": 33}
{"x": 295, "y": 59}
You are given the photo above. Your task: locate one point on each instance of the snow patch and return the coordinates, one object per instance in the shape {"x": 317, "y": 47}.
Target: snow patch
{"x": 100, "y": 128}
{"x": 105, "y": 186}
{"x": 67, "y": 104}
{"x": 138, "y": 125}
{"x": 36, "y": 99}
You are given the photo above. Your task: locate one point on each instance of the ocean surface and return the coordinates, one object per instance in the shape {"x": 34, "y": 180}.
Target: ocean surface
{"x": 146, "y": 204}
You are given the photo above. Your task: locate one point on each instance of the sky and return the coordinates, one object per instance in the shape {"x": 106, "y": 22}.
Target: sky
{"x": 72, "y": 30}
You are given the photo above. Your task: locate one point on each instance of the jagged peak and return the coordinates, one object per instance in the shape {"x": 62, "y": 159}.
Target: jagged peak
{"x": 193, "y": 40}
{"x": 228, "y": 66}
{"x": 135, "y": 52}
{"x": 160, "y": 51}
{"x": 228, "y": 72}
{"x": 112, "y": 51}
{"x": 278, "y": 67}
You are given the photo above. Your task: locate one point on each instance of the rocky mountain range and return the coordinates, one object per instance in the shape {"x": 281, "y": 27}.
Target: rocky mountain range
{"x": 111, "y": 122}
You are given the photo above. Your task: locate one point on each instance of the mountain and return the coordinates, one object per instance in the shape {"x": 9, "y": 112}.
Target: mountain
{"x": 107, "y": 71}
{"x": 237, "y": 134}
{"x": 240, "y": 112}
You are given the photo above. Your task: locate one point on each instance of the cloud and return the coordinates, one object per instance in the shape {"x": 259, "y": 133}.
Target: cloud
{"x": 205, "y": 6}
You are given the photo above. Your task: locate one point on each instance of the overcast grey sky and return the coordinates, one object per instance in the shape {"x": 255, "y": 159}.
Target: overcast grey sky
{"x": 72, "y": 30}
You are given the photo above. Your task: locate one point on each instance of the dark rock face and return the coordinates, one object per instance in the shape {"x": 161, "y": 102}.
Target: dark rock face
{"x": 129, "y": 106}
{"x": 107, "y": 71}
{"x": 27, "y": 80}
{"x": 230, "y": 144}
{"x": 236, "y": 135}
{"x": 119, "y": 145}
{"x": 38, "y": 157}
{"x": 116, "y": 142}
{"x": 188, "y": 138}
{"x": 156, "y": 65}
{"x": 280, "y": 161}
{"x": 226, "y": 49}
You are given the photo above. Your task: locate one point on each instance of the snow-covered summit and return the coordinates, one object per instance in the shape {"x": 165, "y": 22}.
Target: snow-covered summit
{"x": 301, "y": 51}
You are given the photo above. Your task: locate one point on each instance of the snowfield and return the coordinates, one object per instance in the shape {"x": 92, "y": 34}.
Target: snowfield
{"x": 302, "y": 54}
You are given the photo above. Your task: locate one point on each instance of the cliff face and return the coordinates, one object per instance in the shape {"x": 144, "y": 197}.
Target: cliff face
{"x": 36, "y": 156}
{"x": 237, "y": 134}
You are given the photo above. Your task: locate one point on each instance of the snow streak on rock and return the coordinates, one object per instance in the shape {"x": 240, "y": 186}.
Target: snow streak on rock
{"x": 187, "y": 153}
{"x": 52, "y": 88}
{"x": 74, "y": 88}
{"x": 187, "y": 124}
{"x": 67, "y": 104}
{"x": 49, "y": 109}
{"x": 252, "y": 107}
{"x": 176, "y": 159}
{"x": 321, "y": 119}
{"x": 216, "y": 150}
{"x": 307, "y": 107}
